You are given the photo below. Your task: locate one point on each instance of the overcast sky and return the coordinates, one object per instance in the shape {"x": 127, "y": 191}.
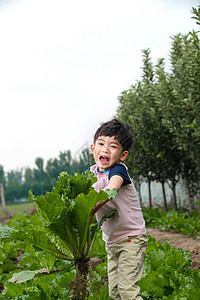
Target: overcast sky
{"x": 64, "y": 63}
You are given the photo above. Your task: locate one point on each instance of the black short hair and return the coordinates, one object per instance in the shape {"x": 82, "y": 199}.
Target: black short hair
{"x": 117, "y": 129}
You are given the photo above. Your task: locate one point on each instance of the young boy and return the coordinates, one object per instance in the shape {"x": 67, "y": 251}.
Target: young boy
{"x": 125, "y": 232}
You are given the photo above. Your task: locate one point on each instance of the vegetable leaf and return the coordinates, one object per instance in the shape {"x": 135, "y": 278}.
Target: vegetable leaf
{"x": 67, "y": 210}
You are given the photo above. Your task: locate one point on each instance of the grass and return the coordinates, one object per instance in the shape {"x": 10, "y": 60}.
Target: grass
{"x": 17, "y": 209}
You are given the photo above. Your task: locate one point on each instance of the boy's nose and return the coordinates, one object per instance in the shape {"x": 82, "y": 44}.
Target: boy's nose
{"x": 105, "y": 148}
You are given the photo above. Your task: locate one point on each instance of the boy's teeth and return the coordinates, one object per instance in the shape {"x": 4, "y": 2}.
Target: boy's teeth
{"x": 104, "y": 158}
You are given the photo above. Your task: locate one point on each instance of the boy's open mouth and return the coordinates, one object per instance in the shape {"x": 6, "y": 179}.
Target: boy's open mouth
{"x": 104, "y": 159}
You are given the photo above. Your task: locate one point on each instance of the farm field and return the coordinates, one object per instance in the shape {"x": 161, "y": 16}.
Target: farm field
{"x": 17, "y": 209}
{"x": 179, "y": 240}
{"x": 162, "y": 261}
{"x": 179, "y": 229}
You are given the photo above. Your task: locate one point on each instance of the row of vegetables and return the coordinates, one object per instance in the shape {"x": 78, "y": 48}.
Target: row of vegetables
{"x": 167, "y": 274}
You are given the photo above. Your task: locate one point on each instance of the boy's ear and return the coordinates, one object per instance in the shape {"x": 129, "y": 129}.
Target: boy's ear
{"x": 92, "y": 148}
{"x": 124, "y": 155}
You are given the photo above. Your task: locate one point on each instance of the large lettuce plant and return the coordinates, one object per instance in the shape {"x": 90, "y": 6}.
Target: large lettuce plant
{"x": 66, "y": 234}
{"x": 66, "y": 211}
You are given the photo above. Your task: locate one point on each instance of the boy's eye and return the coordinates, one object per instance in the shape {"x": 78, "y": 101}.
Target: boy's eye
{"x": 101, "y": 144}
{"x": 113, "y": 146}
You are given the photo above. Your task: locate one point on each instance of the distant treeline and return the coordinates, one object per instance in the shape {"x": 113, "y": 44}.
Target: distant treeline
{"x": 43, "y": 177}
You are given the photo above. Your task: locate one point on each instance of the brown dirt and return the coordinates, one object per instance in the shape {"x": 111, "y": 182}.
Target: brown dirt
{"x": 179, "y": 240}
{"x": 5, "y": 220}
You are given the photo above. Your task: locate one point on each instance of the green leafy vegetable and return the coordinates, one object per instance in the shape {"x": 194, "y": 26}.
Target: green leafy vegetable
{"x": 66, "y": 210}
{"x": 188, "y": 223}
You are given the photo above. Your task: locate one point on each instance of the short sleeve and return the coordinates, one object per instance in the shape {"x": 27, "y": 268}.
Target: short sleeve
{"x": 120, "y": 170}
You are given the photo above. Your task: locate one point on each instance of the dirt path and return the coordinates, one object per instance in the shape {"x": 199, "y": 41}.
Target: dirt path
{"x": 178, "y": 240}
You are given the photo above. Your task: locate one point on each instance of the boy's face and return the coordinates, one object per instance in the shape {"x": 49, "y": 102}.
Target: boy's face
{"x": 107, "y": 152}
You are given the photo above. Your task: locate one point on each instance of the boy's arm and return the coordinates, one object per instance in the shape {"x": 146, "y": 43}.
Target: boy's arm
{"x": 115, "y": 182}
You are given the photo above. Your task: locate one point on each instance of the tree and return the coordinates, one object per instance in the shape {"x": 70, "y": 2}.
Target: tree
{"x": 85, "y": 160}
{"x": 39, "y": 176}
{"x": 2, "y": 194}
{"x": 180, "y": 107}
{"x": 65, "y": 161}
{"x": 153, "y": 145}
{"x": 14, "y": 185}
{"x": 2, "y": 175}
{"x": 28, "y": 177}
{"x": 182, "y": 114}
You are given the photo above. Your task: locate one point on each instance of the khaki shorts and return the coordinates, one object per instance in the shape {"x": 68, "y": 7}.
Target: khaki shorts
{"x": 125, "y": 267}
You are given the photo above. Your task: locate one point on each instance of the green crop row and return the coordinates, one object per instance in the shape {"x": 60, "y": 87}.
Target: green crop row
{"x": 166, "y": 274}
{"x": 187, "y": 223}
